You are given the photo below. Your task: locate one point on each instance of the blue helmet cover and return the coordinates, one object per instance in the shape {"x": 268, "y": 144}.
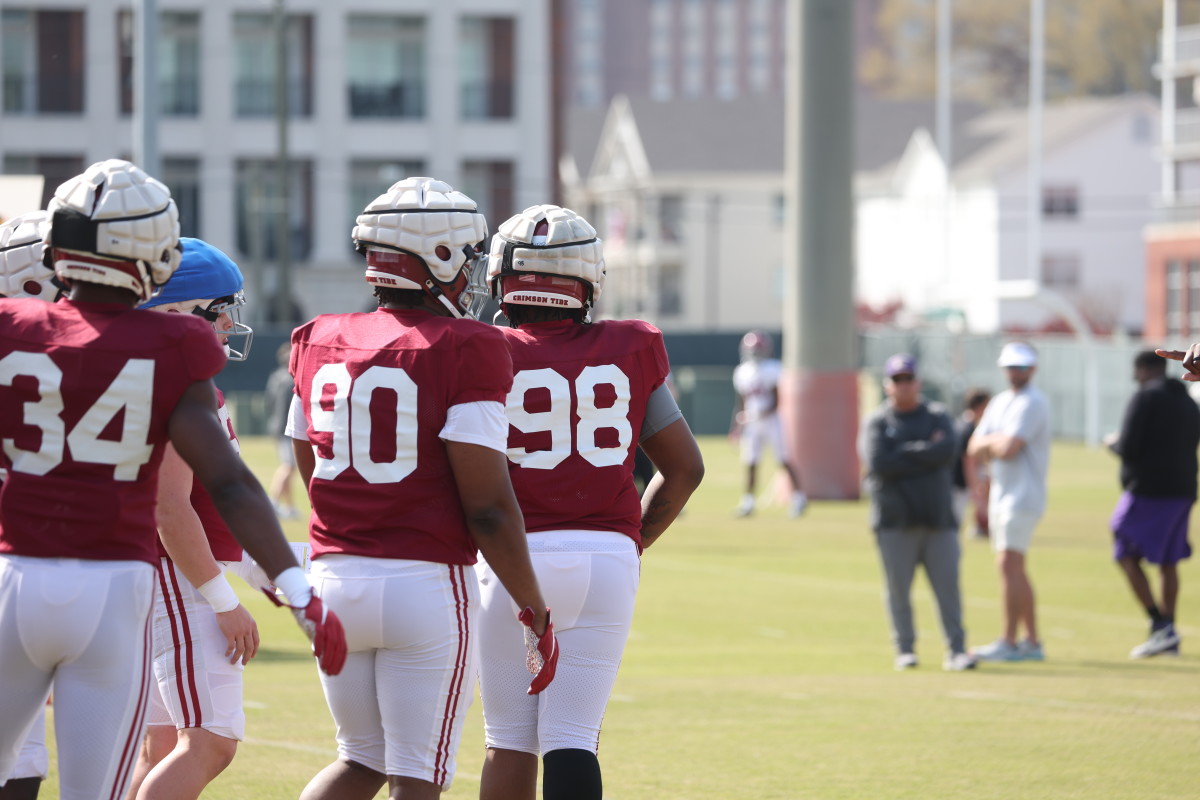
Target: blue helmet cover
{"x": 205, "y": 273}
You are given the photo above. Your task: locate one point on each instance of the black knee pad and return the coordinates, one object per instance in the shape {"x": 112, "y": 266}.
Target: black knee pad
{"x": 571, "y": 775}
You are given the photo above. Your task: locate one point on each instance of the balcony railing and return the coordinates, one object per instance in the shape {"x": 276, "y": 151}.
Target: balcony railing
{"x": 487, "y": 100}
{"x": 256, "y": 98}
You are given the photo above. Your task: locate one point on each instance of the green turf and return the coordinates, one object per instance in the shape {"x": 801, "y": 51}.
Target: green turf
{"x": 759, "y": 667}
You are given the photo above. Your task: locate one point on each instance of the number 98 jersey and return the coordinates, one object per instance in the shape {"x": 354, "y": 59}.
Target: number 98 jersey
{"x": 376, "y": 389}
{"x": 575, "y": 413}
{"x": 86, "y": 391}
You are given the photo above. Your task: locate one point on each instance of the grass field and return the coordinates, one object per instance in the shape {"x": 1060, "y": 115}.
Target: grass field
{"x": 760, "y": 667}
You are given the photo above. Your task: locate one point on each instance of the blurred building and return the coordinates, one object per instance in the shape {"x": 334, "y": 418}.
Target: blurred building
{"x": 672, "y": 49}
{"x": 1173, "y": 240}
{"x": 689, "y": 197}
{"x": 376, "y": 90}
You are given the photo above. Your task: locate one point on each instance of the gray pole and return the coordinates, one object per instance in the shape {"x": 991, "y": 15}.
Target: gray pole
{"x": 283, "y": 240}
{"x": 145, "y": 87}
{"x": 1037, "y": 61}
{"x": 819, "y": 393}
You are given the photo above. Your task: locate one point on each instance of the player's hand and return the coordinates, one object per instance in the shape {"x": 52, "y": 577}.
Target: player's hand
{"x": 241, "y": 634}
{"x": 324, "y": 630}
{"x": 541, "y": 651}
{"x": 1190, "y": 359}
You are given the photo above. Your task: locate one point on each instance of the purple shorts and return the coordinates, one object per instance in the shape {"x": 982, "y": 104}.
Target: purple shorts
{"x": 1151, "y": 528}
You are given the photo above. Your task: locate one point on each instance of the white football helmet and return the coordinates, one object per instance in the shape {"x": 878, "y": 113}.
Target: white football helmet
{"x": 23, "y": 270}
{"x": 546, "y": 256}
{"x": 115, "y": 225}
{"x": 423, "y": 234}
{"x": 756, "y": 345}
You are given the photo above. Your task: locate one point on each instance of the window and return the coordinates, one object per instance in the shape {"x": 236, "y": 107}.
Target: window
{"x": 694, "y": 34}
{"x": 178, "y": 62}
{"x": 727, "y": 49}
{"x": 660, "y": 49}
{"x": 1061, "y": 272}
{"x": 55, "y": 169}
{"x": 490, "y": 184}
{"x": 670, "y": 289}
{"x": 369, "y": 179}
{"x": 257, "y": 209}
{"x": 1060, "y": 202}
{"x": 254, "y": 54}
{"x": 670, "y": 218}
{"x": 588, "y": 53}
{"x": 1174, "y": 298}
{"x": 758, "y": 45}
{"x": 486, "y": 69}
{"x": 43, "y": 57}
{"x": 385, "y": 66}
{"x": 182, "y": 177}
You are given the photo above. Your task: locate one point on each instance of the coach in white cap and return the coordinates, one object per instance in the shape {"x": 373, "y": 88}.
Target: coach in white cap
{"x": 1014, "y": 436}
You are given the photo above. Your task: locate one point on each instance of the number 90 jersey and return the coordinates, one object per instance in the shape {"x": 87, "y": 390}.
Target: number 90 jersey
{"x": 86, "y": 391}
{"x": 376, "y": 389}
{"x": 575, "y": 413}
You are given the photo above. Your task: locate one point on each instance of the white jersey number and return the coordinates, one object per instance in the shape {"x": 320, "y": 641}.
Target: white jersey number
{"x": 588, "y": 418}
{"x": 130, "y": 392}
{"x": 349, "y": 421}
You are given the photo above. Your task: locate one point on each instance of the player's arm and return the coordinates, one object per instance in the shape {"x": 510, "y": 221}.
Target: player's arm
{"x": 680, "y": 469}
{"x": 183, "y": 536}
{"x": 306, "y": 459}
{"x": 242, "y": 503}
{"x": 1190, "y": 359}
{"x": 495, "y": 521}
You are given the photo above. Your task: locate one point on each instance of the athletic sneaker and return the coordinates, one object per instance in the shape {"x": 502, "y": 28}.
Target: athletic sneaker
{"x": 959, "y": 662}
{"x": 1030, "y": 651}
{"x": 1162, "y": 642}
{"x": 799, "y": 503}
{"x": 906, "y": 661}
{"x": 999, "y": 650}
{"x": 745, "y": 508}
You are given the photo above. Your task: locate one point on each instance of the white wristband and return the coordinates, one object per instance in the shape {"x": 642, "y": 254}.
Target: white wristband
{"x": 294, "y": 586}
{"x": 219, "y": 594}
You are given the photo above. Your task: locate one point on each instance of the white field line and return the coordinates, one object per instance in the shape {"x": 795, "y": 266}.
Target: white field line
{"x": 1070, "y": 705}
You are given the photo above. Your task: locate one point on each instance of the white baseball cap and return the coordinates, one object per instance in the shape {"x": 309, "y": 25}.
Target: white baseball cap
{"x": 1018, "y": 354}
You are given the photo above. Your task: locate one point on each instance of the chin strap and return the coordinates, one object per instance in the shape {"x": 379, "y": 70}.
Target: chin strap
{"x": 440, "y": 296}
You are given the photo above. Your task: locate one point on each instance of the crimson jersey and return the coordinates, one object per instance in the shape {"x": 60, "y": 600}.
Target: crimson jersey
{"x": 220, "y": 540}
{"x": 376, "y": 389}
{"x": 575, "y": 411}
{"x": 86, "y": 390}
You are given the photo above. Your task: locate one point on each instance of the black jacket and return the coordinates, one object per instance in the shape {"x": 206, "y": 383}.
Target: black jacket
{"x": 908, "y": 474}
{"x": 1158, "y": 441}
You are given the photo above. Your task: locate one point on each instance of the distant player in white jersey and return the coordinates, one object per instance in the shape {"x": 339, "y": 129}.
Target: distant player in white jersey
{"x": 91, "y": 390}
{"x": 203, "y": 636}
{"x": 756, "y": 419}
{"x": 23, "y": 273}
{"x": 585, "y": 395}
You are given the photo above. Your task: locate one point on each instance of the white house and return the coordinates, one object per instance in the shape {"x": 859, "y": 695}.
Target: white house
{"x": 689, "y": 197}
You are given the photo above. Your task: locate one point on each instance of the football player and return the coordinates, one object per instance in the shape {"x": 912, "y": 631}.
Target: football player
{"x": 584, "y": 396}
{"x": 203, "y": 636}
{"x": 23, "y": 273}
{"x": 756, "y": 418}
{"x": 400, "y": 429}
{"x": 91, "y": 390}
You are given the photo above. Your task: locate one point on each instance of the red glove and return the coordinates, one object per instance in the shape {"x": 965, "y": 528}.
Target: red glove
{"x": 323, "y": 629}
{"x": 541, "y": 652}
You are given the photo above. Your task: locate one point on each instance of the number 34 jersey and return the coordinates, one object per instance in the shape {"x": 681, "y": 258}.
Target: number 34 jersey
{"x": 575, "y": 412}
{"x": 376, "y": 389}
{"x": 86, "y": 391}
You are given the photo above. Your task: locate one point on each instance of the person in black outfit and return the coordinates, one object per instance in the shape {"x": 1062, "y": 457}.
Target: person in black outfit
{"x": 1157, "y": 445}
{"x": 970, "y": 478}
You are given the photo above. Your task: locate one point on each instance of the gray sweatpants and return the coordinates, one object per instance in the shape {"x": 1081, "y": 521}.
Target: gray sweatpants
{"x": 900, "y": 551}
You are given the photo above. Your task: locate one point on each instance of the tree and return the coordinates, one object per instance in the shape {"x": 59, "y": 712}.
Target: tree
{"x": 1092, "y": 47}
